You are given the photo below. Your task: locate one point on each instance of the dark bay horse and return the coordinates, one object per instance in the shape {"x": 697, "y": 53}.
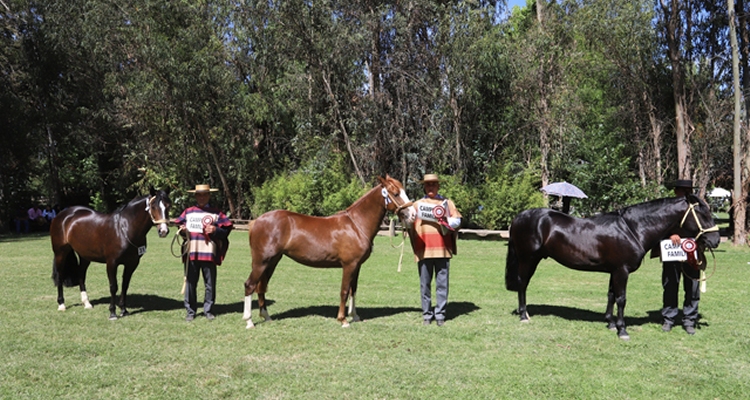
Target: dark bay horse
{"x": 614, "y": 243}
{"x": 343, "y": 240}
{"x": 113, "y": 239}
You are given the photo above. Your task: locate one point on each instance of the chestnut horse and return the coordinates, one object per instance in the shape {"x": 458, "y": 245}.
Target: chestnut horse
{"x": 114, "y": 239}
{"x": 343, "y": 240}
{"x": 614, "y": 243}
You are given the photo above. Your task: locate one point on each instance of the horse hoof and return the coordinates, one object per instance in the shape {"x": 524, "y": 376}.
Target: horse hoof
{"x": 356, "y": 318}
{"x": 124, "y": 314}
{"x": 611, "y": 326}
{"x": 113, "y": 317}
{"x": 250, "y": 324}
{"x": 88, "y": 306}
{"x": 344, "y": 324}
{"x": 624, "y": 337}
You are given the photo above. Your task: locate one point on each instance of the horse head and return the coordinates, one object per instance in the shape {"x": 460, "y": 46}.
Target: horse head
{"x": 699, "y": 222}
{"x": 396, "y": 200}
{"x": 157, "y": 207}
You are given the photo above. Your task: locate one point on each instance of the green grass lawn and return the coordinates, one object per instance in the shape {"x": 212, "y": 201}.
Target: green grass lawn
{"x": 483, "y": 351}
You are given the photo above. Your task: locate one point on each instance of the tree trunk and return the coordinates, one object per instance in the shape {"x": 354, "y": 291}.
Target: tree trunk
{"x": 739, "y": 175}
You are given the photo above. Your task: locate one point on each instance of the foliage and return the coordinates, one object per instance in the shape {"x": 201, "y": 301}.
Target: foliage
{"x": 316, "y": 189}
{"x": 106, "y": 99}
{"x": 505, "y": 193}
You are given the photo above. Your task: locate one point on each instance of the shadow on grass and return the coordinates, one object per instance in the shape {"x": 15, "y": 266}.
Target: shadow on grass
{"x": 140, "y": 303}
{"x": 368, "y": 313}
{"x": 577, "y": 314}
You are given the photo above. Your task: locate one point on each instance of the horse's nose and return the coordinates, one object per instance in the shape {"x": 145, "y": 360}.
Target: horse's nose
{"x": 163, "y": 230}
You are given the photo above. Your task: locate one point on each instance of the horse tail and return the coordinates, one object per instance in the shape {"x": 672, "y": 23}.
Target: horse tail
{"x": 68, "y": 273}
{"x": 511, "y": 268}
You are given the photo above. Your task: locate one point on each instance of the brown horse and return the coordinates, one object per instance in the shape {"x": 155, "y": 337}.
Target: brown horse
{"x": 343, "y": 240}
{"x": 114, "y": 239}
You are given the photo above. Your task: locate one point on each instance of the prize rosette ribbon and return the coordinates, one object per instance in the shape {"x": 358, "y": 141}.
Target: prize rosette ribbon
{"x": 439, "y": 213}
{"x": 689, "y": 247}
{"x": 207, "y": 220}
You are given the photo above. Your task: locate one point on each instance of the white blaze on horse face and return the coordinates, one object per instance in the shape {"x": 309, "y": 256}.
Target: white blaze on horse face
{"x": 163, "y": 228}
{"x": 408, "y": 213}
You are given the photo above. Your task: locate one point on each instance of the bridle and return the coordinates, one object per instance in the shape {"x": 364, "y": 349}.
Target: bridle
{"x": 148, "y": 210}
{"x": 390, "y": 198}
{"x": 691, "y": 210}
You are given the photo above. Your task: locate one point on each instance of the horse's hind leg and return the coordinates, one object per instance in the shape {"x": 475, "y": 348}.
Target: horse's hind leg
{"x": 57, "y": 278}
{"x": 258, "y": 282}
{"x": 525, "y": 272}
{"x": 82, "y": 284}
{"x": 610, "y": 307}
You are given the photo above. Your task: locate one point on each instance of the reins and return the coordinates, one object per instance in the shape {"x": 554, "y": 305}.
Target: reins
{"x": 703, "y": 278}
{"x": 183, "y": 253}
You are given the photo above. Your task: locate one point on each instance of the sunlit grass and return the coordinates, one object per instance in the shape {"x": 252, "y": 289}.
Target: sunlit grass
{"x": 482, "y": 352}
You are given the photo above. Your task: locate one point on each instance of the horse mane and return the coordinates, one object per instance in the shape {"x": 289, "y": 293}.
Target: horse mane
{"x": 122, "y": 208}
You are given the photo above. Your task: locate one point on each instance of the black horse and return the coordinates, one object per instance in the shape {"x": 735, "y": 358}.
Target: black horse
{"x": 614, "y": 242}
{"x": 114, "y": 239}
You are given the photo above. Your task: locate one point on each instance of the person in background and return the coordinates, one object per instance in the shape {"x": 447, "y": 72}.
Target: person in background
{"x": 21, "y": 220}
{"x": 49, "y": 213}
{"x": 36, "y": 217}
{"x": 207, "y": 229}
{"x": 672, "y": 271}
{"x": 433, "y": 239}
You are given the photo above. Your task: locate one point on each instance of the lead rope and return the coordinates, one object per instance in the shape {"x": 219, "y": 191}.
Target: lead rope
{"x": 183, "y": 253}
{"x": 703, "y": 278}
{"x": 392, "y": 233}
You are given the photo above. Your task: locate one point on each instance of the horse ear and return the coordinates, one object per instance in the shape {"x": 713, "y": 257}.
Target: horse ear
{"x": 152, "y": 190}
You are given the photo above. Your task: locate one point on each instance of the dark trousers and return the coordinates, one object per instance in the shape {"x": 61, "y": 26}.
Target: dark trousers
{"x": 194, "y": 269}
{"x": 670, "y": 279}
{"x": 427, "y": 268}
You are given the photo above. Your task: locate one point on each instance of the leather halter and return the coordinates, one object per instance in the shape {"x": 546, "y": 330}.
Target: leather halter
{"x": 148, "y": 210}
{"x": 392, "y": 198}
{"x": 691, "y": 209}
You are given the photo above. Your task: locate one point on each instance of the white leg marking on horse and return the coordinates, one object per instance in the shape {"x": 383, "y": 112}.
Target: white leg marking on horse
{"x": 250, "y": 324}
{"x": 246, "y": 315}
{"x": 345, "y": 324}
{"x": 353, "y": 310}
{"x": 61, "y": 307}
{"x": 85, "y": 300}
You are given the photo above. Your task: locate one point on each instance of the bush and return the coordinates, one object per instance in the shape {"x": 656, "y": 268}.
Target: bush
{"x": 505, "y": 194}
{"x": 319, "y": 188}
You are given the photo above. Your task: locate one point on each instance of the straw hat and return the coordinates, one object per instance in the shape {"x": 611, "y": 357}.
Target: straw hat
{"x": 430, "y": 178}
{"x": 203, "y": 189}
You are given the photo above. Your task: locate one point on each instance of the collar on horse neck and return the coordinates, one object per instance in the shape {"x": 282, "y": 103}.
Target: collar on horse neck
{"x": 691, "y": 210}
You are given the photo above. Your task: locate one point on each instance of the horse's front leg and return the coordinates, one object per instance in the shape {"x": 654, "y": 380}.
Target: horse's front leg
{"x": 352, "y": 311}
{"x": 346, "y": 286}
{"x": 522, "y": 312}
{"x": 112, "y": 276}
{"x": 610, "y": 307}
{"x": 126, "y": 275}
{"x": 619, "y": 285}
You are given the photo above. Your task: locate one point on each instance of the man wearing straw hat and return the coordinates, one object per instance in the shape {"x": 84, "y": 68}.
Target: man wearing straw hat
{"x": 207, "y": 230}
{"x": 433, "y": 239}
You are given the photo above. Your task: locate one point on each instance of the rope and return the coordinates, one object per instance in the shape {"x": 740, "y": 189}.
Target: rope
{"x": 703, "y": 278}
{"x": 392, "y": 233}
{"x": 183, "y": 253}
